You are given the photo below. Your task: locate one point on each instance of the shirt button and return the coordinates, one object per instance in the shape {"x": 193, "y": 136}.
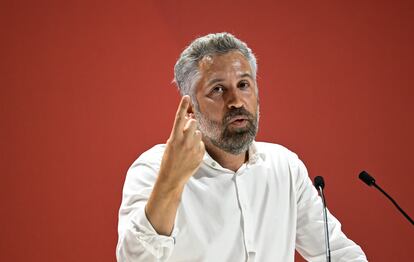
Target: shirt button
{"x": 213, "y": 163}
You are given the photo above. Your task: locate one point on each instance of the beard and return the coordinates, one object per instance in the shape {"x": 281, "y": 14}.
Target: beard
{"x": 235, "y": 140}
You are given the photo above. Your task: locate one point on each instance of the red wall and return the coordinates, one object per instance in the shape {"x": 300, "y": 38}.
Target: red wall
{"x": 86, "y": 87}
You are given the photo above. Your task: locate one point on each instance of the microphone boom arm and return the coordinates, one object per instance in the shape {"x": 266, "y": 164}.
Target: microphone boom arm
{"x": 395, "y": 203}
{"x": 370, "y": 181}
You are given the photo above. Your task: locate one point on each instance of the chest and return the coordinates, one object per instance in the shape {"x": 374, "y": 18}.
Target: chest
{"x": 241, "y": 211}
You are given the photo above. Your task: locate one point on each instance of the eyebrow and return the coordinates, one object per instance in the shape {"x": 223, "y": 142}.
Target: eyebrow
{"x": 217, "y": 80}
{"x": 246, "y": 75}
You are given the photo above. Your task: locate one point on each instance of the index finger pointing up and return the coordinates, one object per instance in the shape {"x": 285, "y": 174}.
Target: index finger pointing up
{"x": 180, "y": 115}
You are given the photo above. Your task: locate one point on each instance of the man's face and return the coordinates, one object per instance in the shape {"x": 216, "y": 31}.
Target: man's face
{"x": 227, "y": 112}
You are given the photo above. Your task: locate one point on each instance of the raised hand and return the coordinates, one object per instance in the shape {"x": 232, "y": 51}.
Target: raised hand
{"x": 182, "y": 157}
{"x": 184, "y": 150}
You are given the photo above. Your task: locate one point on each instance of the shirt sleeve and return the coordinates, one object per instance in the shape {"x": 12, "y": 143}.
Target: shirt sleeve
{"x": 137, "y": 239}
{"x": 310, "y": 238}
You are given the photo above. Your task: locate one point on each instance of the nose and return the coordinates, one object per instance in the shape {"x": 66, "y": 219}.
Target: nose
{"x": 234, "y": 99}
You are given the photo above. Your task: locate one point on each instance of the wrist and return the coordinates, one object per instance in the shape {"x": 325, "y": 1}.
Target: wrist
{"x": 169, "y": 183}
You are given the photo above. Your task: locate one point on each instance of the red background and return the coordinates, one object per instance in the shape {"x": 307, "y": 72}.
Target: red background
{"x": 86, "y": 87}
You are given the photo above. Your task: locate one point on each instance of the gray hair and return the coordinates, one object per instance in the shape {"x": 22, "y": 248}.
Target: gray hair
{"x": 186, "y": 73}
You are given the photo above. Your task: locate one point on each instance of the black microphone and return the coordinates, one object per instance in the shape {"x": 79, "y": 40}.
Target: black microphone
{"x": 320, "y": 184}
{"x": 318, "y": 181}
{"x": 370, "y": 181}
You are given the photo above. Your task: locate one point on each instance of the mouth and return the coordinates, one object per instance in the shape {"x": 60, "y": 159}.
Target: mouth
{"x": 239, "y": 121}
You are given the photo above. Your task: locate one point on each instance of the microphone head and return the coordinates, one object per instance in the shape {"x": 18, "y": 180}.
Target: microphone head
{"x": 318, "y": 182}
{"x": 364, "y": 176}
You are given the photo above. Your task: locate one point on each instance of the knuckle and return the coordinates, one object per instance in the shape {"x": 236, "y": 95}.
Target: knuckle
{"x": 186, "y": 130}
{"x": 178, "y": 117}
{"x": 189, "y": 128}
{"x": 182, "y": 108}
{"x": 174, "y": 142}
{"x": 188, "y": 146}
{"x": 189, "y": 143}
{"x": 172, "y": 139}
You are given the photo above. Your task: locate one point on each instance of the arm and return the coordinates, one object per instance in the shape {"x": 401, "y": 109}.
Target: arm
{"x": 147, "y": 218}
{"x": 182, "y": 157}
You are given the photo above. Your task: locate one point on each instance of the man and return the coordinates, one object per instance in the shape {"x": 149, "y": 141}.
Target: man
{"x": 212, "y": 193}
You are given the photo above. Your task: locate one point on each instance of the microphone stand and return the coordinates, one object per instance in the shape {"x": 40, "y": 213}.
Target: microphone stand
{"x": 395, "y": 203}
{"x": 370, "y": 181}
{"x": 325, "y": 219}
{"x": 320, "y": 184}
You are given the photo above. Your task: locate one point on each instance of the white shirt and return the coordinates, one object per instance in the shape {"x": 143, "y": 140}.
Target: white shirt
{"x": 260, "y": 213}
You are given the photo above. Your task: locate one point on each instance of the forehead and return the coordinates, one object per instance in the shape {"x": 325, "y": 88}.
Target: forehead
{"x": 231, "y": 62}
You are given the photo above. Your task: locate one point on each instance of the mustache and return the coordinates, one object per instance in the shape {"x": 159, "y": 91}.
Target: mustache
{"x": 241, "y": 111}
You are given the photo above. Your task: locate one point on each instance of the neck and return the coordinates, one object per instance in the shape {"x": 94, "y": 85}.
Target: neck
{"x": 225, "y": 159}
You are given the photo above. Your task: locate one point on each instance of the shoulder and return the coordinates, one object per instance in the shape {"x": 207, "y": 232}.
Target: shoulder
{"x": 143, "y": 171}
{"x": 151, "y": 157}
{"x": 285, "y": 163}
{"x": 275, "y": 151}
{"x": 149, "y": 161}
{"x": 279, "y": 157}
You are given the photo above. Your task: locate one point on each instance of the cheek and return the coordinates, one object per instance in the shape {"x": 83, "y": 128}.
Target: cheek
{"x": 216, "y": 114}
{"x": 253, "y": 101}
{"x": 210, "y": 112}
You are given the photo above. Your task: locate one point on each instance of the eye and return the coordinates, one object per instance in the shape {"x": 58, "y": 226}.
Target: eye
{"x": 217, "y": 90}
{"x": 244, "y": 84}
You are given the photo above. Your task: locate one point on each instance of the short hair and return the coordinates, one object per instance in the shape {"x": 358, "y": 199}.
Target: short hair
{"x": 186, "y": 73}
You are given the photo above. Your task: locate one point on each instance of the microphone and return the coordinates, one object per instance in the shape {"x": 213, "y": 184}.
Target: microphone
{"x": 370, "y": 181}
{"x": 320, "y": 184}
{"x": 318, "y": 181}
{"x": 366, "y": 178}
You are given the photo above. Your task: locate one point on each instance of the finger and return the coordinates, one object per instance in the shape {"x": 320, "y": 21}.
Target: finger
{"x": 190, "y": 128}
{"x": 197, "y": 135}
{"x": 202, "y": 147}
{"x": 180, "y": 118}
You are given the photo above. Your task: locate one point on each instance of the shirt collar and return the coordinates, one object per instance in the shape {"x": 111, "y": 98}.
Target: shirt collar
{"x": 254, "y": 156}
